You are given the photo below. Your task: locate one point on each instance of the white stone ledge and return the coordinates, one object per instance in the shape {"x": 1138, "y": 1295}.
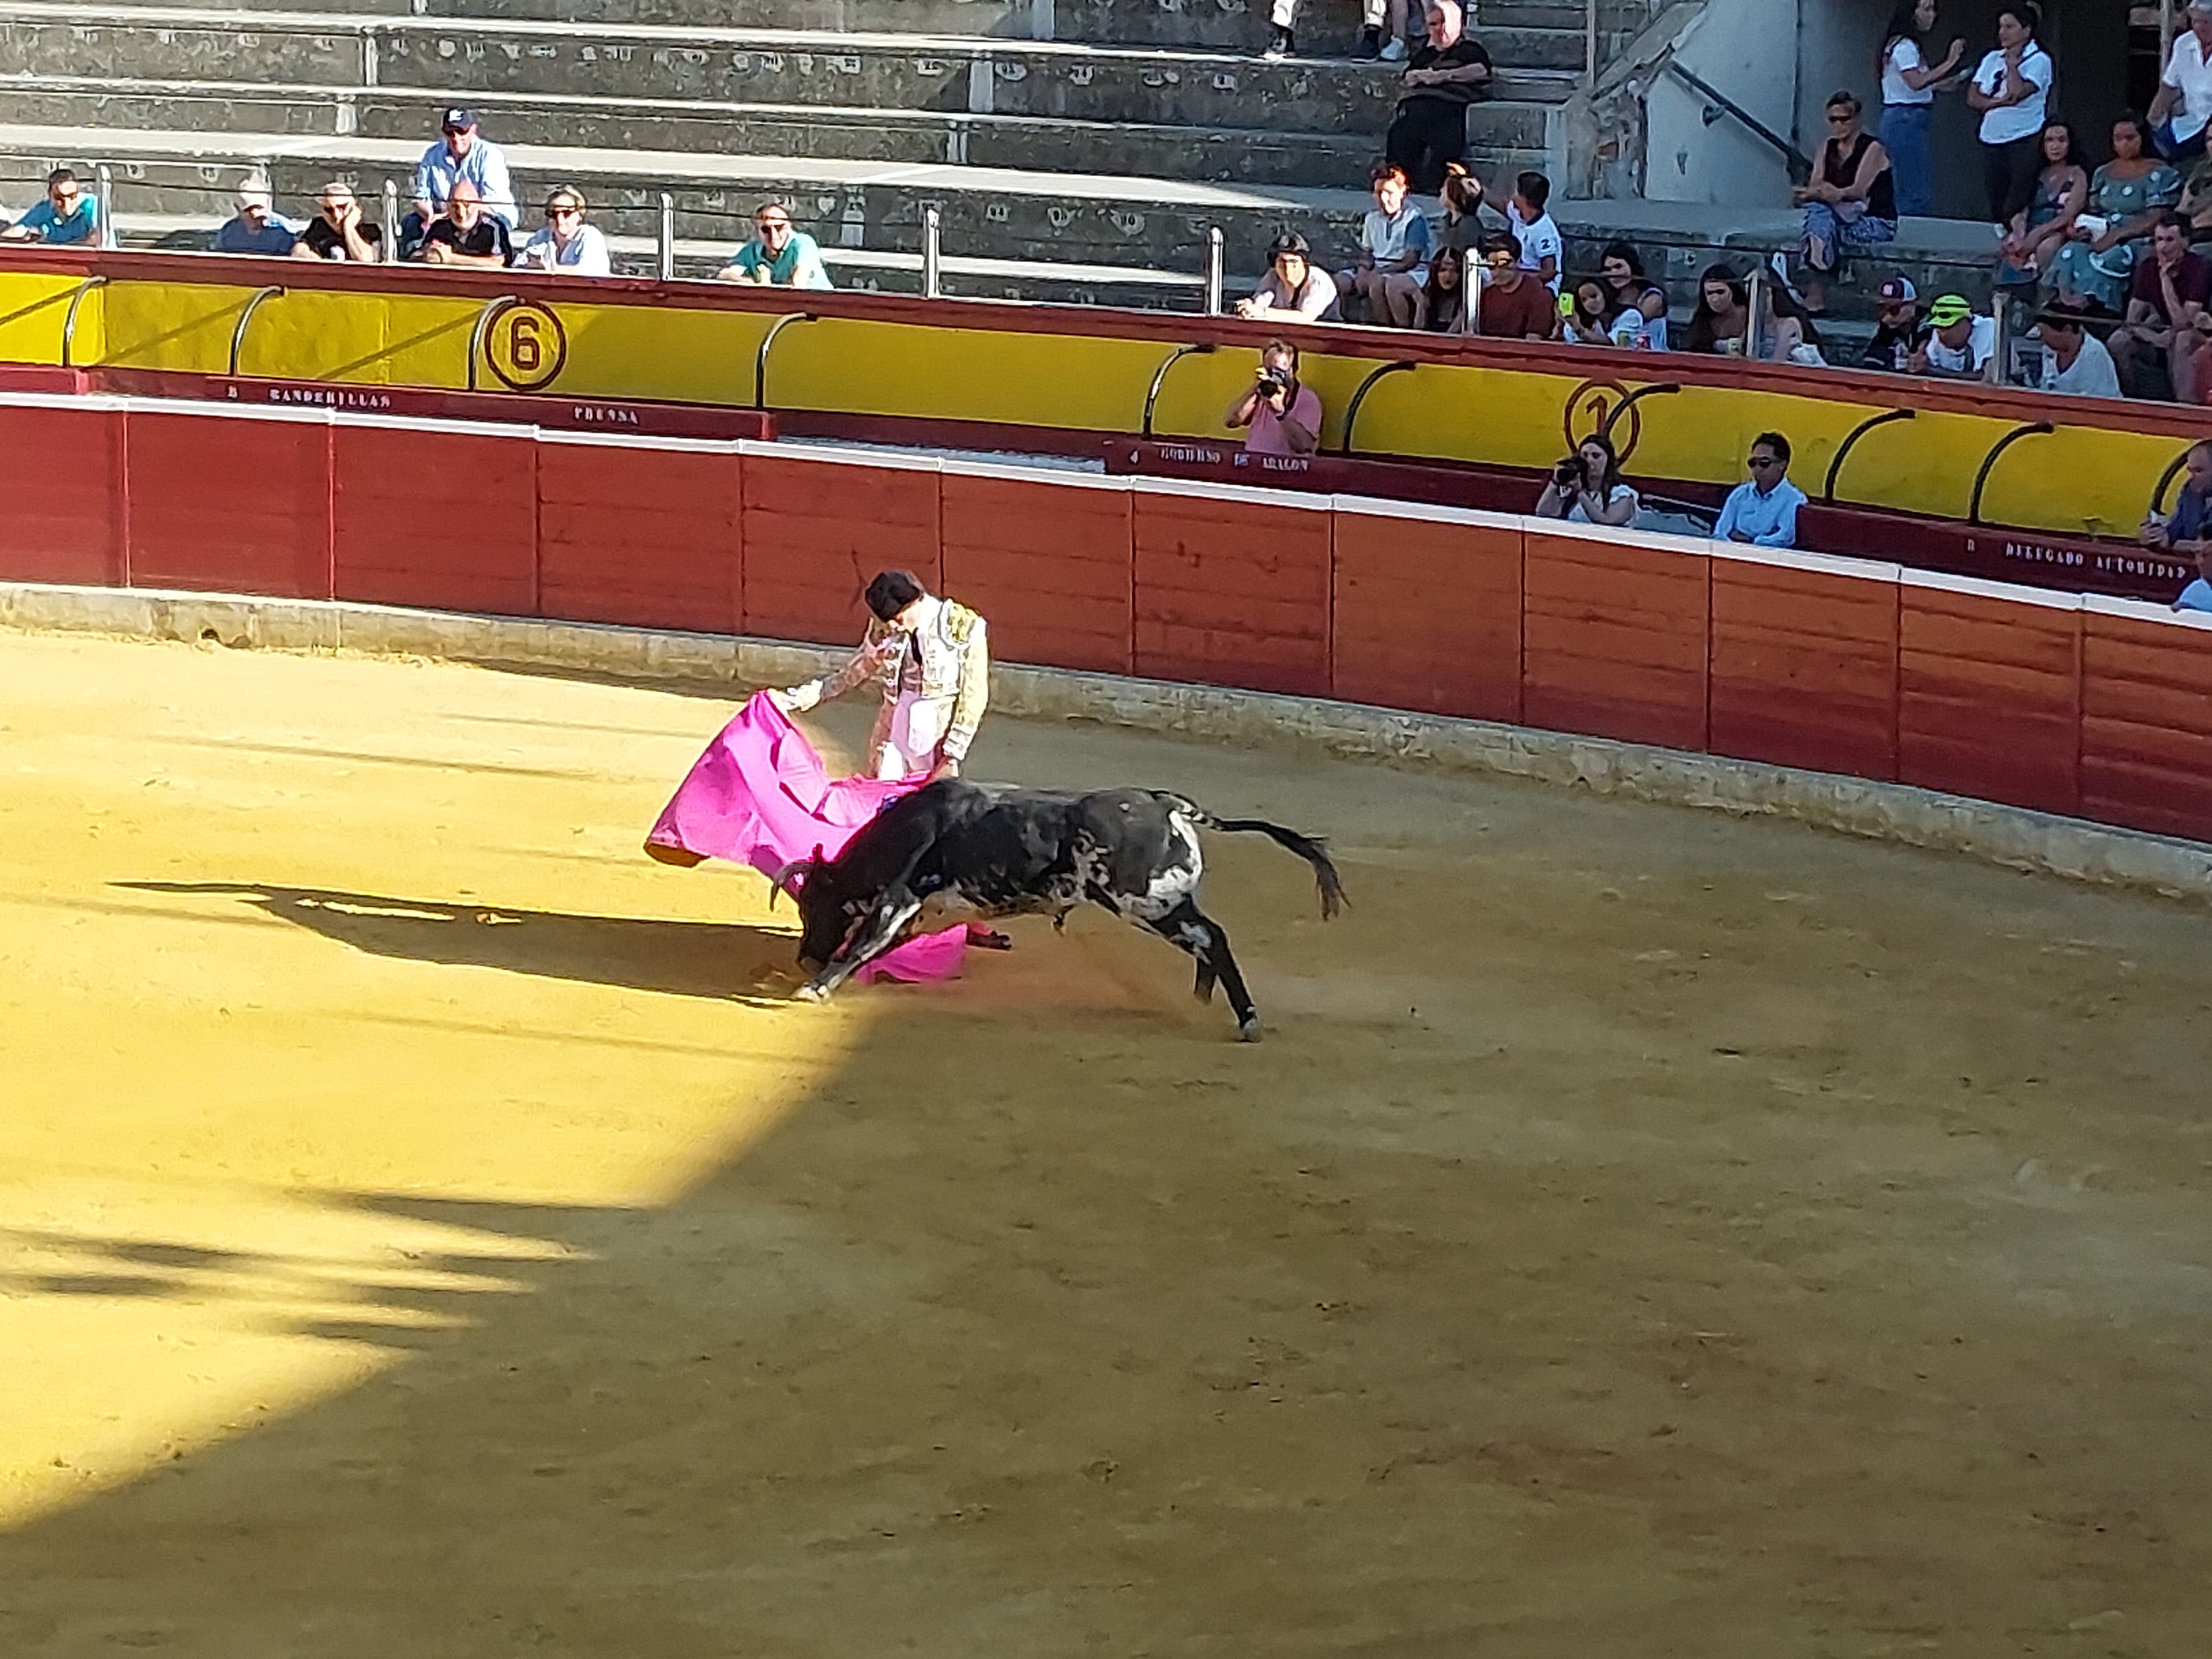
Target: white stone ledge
{"x": 2013, "y": 836}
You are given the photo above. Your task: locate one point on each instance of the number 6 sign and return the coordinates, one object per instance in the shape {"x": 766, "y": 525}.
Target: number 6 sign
{"x": 526, "y": 347}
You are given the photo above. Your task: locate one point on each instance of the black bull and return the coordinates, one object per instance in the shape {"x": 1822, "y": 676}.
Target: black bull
{"x": 954, "y": 852}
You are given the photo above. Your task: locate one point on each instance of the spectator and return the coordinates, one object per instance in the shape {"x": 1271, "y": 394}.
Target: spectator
{"x": 1515, "y": 304}
{"x": 1462, "y": 201}
{"x": 338, "y": 231}
{"x": 1586, "y": 488}
{"x": 2153, "y": 349}
{"x": 2062, "y": 190}
{"x": 2198, "y": 596}
{"x": 1375, "y": 22}
{"x": 2011, "y": 89}
{"x": 1898, "y": 330}
{"x": 466, "y": 233}
{"x": 69, "y": 215}
{"x": 2184, "y": 105}
{"x": 1722, "y": 317}
{"x": 2186, "y": 531}
{"x": 1960, "y": 343}
{"x": 1444, "y": 299}
{"x": 2126, "y": 196}
{"x": 1429, "y": 132}
{"x": 256, "y": 228}
{"x": 461, "y": 153}
{"x": 1293, "y": 291}
{"x": 1850, "y": 202}
{"x": 1788, "y": 333}
{"x": 1764, "y": 512}
{"x": 1623, "y": 274}
{"x": 2075, "y": 361}
{"x": 1393, "y": 253}
{"x": 1908, "y": 85}
{"x": 1282, "y": 418}
{"x": 1543, "y": 250}
{"x": 1594, "y": 315}
{"x": 777, "y": 256}
{"x": 566, "y": 243}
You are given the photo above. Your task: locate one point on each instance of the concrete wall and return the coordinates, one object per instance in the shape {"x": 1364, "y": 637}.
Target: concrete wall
{"x": 1747, "y": 49}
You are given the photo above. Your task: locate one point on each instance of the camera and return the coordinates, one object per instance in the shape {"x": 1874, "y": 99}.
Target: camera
{"x": 1570, "y": 472}
{"x": 1272, "y": 380}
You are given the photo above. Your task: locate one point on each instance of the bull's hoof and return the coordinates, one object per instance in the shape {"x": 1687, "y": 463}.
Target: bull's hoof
{"x": 812, "y": 993}
{"x": 1249, "y": 1030}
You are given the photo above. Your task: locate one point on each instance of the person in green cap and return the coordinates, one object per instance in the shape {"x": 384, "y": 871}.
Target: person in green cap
{"x": 1960, "y": 343}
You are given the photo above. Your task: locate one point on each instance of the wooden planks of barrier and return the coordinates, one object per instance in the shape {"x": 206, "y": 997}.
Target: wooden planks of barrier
{"x": 643, "y": 537}
{"x": 817, "y": 527}
{"x": 451, "y": 524}
{"x": 1614, "y": 637}
{"x": 1804, "y": 663}
{"x": 1052, "y": 569}
{"x": 1232, "y": 587}
{"x": 1988, "y": 691}
{"x": 230, "y": 505}
{"x": 2146, "y": 722}
{"x": 1427, "y": 611}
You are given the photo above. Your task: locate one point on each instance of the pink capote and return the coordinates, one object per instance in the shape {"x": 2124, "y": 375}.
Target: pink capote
{"x": 761, "y": 796}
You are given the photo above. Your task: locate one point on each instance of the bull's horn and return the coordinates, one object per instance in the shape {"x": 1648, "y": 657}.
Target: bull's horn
{"x": 781, "y": 881}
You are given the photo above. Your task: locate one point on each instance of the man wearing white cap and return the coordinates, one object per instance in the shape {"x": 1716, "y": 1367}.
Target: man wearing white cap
{"x": 257, "y": 229}
{"x": 2183, "y": 109}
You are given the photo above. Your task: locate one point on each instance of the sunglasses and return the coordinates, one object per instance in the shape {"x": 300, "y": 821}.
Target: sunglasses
{"x": 1840, "y": 118}
{"x": 563, "y": 212}
{"x": 1762, "y": 462}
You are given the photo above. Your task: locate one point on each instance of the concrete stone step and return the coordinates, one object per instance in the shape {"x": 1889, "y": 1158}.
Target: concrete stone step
{"x": 1505, "y": 136}
{"x": 1086, "y": 218}
{"x": 1075, "y": 82}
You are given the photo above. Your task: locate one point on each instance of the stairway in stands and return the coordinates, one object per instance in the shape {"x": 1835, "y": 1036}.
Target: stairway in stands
{"x": 1070, "y": 146}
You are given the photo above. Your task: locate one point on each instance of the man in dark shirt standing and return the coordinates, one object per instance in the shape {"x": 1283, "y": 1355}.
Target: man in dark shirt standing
{"x": 1446, "y": 75}
{"x": 2155, "y": 350}
{"x": 465, "y": 234}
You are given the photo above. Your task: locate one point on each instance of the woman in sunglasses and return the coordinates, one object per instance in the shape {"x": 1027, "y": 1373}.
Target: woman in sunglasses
{"x": 566, "y": 244}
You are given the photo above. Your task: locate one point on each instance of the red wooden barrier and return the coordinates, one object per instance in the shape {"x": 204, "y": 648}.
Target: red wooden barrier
{"x": 447, "y": 520}
{"x": 61, "y": 513}
{"x": 816, "y": 530}
{"x": 1989, "y": 688}
{"x": 2147, "y": 723}
{"x": 1232, "y": 588}
{"x": 1614, "y": 638}
{"x": 645, "y": 538}
{"x": 1050, "y": 565}
{"x": 232, "y": 505}
{"x": 1427, "y": 612}
{"x": 1804, "y": 666}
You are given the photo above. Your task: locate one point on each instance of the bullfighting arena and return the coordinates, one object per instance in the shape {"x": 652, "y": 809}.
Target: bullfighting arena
{"x": 428, "y": 1228}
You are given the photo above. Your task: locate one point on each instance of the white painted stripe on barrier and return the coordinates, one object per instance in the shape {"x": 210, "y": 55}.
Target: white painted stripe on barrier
{"x": 587, "y": 438}
{"x": 1145, "y": 484}
{"x": 1791, "y": 558}
{"x": 799, "y": 449}
{"x": 1378, "y": 506}
{"x": 1657, "y": 541}
{"x": 1014, "y": 472}
{"x": 2147, "y": 610}
{"x": 1979, "y": 588}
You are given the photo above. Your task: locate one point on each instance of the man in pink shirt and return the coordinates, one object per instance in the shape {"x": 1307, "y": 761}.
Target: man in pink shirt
{"x": 1284, "y": 417}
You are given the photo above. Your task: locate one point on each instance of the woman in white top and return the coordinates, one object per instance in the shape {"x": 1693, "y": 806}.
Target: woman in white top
{"x": 1909, "y": 84}
{"x": 566, "y": 244}
{"x": 1586, "y": 488}
{"x": 2012, "y": 90}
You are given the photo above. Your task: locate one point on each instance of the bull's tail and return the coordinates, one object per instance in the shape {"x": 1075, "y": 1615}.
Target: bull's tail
{"x": 1313, "y": 851}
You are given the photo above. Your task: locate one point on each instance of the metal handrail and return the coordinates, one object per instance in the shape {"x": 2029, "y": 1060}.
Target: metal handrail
{"x": 492, "y": 309}
{"x": 237, "y": 335}
{"x": 1160, "y": 378}
{"x": 69, "y": 319}
{"x": 2172, "y": 471}
{"x": 1851, "y": 442}
{"x": 1359, "y": 397}
{"x": 1799, "y": 163}
{"x": 2031, "y": 429}
{"x": 760, "y": 357}
{"x": 1663, "y": 389}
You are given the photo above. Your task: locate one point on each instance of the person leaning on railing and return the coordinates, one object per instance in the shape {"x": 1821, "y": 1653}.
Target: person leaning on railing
{"x": 566, "y": 245}
{"x": 2188, "y": 530}
{"x": 1279, "y": 416}
{"x": 466, "y": 233}
{"x": 337, "y": 231}
{"x": 69, "y": 215}
{"x": 461, "y": 153}
{"x": 1515, "y": 305}
{"x": 1293, "y": 291}
{"x": 777, "y": 256}
{"x": 1764, "y": 512}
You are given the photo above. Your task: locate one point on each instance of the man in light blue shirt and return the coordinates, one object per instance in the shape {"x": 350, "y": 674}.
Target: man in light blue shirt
{"x": 2198, "y": 596}
{"x": 463, "y": 154}
{"x": 69, "y": 215}
{"x": 777, "y": 256}
{"x": 1764, "y": 512}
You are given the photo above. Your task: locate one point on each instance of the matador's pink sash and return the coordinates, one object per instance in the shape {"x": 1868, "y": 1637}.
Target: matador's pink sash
{"x": 760, "y": 796}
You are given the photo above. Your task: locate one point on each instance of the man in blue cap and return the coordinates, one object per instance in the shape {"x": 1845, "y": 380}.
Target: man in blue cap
{"x": 461, "y": 153}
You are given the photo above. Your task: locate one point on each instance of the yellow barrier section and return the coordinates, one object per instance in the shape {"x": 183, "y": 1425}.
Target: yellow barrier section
{"x": 2080, "y": 479}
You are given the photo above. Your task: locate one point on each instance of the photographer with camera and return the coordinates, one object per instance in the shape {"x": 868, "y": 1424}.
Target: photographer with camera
{"x": 1284, "y": 417}
{"x": 1586, "y": 488}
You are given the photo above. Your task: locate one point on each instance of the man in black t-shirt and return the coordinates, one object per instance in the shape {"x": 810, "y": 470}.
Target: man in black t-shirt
{"x": 1901, "y": 329}
{"x": 465, "y": 234}
{"x": 338, "y": 231}
{"x": 1446, "y": 75}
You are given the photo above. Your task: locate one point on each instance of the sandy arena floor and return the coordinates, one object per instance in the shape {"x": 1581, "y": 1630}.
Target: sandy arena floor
{"x": 425, "y": 1229}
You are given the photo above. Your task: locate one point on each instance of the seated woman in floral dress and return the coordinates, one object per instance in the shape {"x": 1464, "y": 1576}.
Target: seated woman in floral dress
{"x": 2127, "y": 193}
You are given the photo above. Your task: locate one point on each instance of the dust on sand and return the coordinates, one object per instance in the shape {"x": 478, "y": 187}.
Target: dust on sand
{"x": 425, "y": 1229}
